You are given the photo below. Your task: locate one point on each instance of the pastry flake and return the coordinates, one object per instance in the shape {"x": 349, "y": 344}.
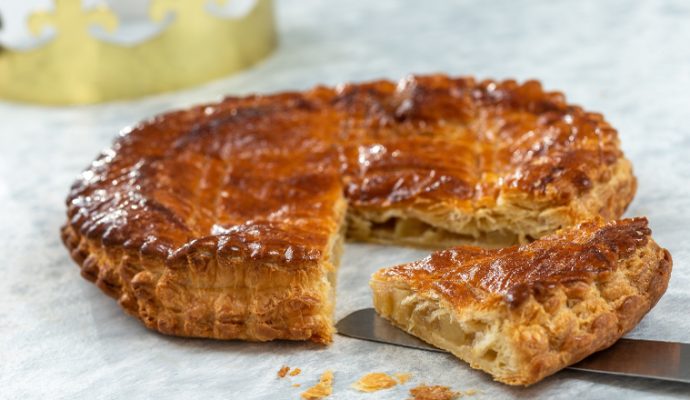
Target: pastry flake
{"x": 375, "y": 381}
{"x": 283, "y": 371}
{"x": 322, "y": 389}
{"x": 426, "y": 392}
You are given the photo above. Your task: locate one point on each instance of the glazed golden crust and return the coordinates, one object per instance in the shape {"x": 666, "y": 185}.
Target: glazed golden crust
{"x": 524, "y": 312}
{"x": 189, "y": 212}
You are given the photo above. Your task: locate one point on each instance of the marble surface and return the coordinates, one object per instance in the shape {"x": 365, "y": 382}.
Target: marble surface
{"x": 60, "y": 337}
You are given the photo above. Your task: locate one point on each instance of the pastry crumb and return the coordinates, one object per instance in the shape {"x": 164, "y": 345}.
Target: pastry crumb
{"x": 296, "y": 385}
{"x": 322, "y": 389}
{"x": 424, "y": 392}
{"x": 374, "y": 382}
{"x": 470, "y": 392}
{"x": 402, "y": 377}
{"x": 295, "y": 372}
{"x": 283, "y": 371}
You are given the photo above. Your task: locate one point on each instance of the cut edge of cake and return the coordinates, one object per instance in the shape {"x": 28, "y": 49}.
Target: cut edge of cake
{"x": 514, "y": 219}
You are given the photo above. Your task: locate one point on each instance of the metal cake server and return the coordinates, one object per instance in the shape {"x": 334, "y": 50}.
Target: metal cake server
{"x": 628, "y": 357}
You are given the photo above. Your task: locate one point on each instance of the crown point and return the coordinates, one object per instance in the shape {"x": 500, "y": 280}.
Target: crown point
{"x": 69, "y": 18}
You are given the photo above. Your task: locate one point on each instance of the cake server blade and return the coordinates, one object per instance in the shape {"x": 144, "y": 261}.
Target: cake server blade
{"x": 627, "y": 357}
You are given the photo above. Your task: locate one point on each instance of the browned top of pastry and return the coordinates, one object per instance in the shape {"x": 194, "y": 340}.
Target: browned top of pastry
{"x": 582, "y": 253}
{"x": 259, "y": 176}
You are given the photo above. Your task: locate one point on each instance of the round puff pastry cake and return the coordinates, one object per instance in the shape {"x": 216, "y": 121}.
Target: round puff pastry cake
{"x": 226, "y": 220}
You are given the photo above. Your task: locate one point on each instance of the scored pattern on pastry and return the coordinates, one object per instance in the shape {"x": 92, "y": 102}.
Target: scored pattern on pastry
{"x": 226, "y": 220}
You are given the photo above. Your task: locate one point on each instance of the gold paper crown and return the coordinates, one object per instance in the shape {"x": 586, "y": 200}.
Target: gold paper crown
{"x": 76, "y": 68}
